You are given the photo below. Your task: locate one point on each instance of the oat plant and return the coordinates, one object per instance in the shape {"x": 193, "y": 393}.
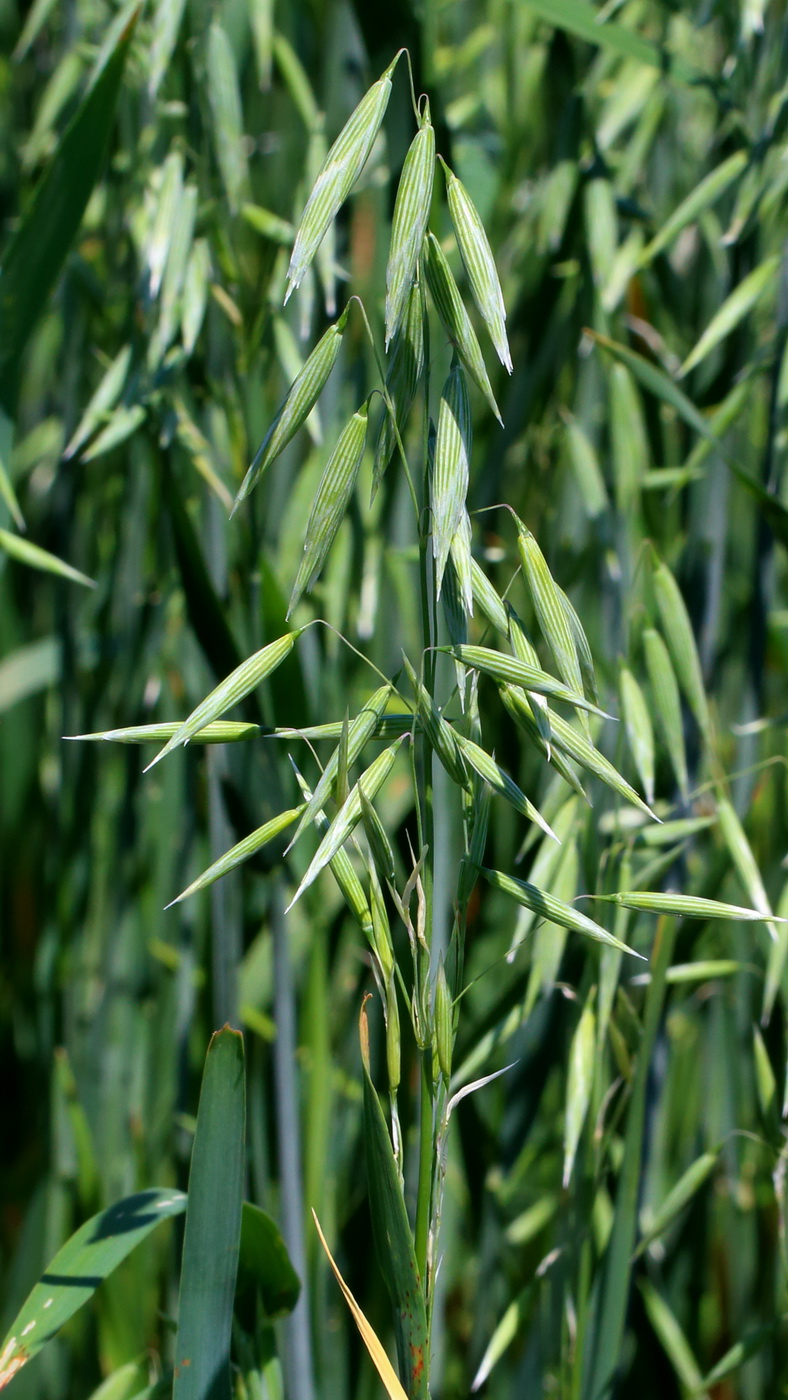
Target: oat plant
{"x": 426, "y": 714}
{"x": 440, "y": 792}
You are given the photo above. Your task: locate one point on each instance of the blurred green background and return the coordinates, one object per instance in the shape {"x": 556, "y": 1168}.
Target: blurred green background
{"x": 138, "y": 399}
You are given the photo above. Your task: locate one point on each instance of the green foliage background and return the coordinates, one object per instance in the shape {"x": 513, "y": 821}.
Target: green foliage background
{"x": 578, "y": 133}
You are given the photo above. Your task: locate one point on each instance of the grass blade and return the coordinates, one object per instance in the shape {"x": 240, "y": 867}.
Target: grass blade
{"x": 582, "y": 18}
{"x": 212, "y": 1236}
{"x": 264, "y": 1266}
{"x": 667, "y": 704}
{"x": 605, "y": 1331}
{"x": 741, "y": 301}
{"x": 34, "y": 257}
{"x": 580, "y": 1082}
{"x": 678, "y": 1197}
{"x": 393, "y": 1239}
{"x": 640, "y": 735}
{"x": 675, "y": 1344}
{"x": 101, "y": 402}
{"x": 701, "y": 197}
{"x": 77, "y": 1269}
{"x": 37, "y": 558}
{"x": 369, "y": 1337}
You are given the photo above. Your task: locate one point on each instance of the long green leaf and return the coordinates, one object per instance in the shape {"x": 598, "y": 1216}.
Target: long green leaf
{"x": 37, "y": 558}
{"x": 33, "y": 260}
{"x": 393, "y": 1239}
{"x": 733, "y": 310}
{"x": 605, "y": 1333}
{"x": 213, "y": 1227}
{"x": 582, "y": 18}
{"x": 77, "y": 1269}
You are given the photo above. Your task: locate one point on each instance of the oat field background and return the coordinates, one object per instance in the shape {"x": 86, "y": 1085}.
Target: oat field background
{"x": 606, "y": 1217}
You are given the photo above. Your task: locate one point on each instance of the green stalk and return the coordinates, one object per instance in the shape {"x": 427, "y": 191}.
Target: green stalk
{"x": 427, "y": 1145}
{"x": 426, "y": 1161}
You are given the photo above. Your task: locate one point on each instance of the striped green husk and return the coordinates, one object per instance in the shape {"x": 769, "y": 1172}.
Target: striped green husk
{"x": 460, "y": 558}
{"x": 331, "y": 502}
{"x": 500, "y": 781}
{"x": 451, "y": 469}
{"x": 406, "y": 366}
{"x": 549, "y": 609}
{"x": 471, "y": 862}
{"x": 487, "y": 598}
{"x": 409, "y": 223}
{"x": 379, "y": 844}
{"x": 439, "y": 734}
{"x": 220, "y": 732}
{"x": 348, "y": 816}
{"x": 548, "y": 907}
{"x": 359, "y": 732}
{"x": 456, "y": 322}
{"x": 508, "y": 668}
{"x": 584, "y": 752}
{"x": 341, "y": 867}
{"x": 582, "y": 647}
{"x": 523, "y": 712}
{"x": 232, "y": 689}
{"x": 524, "y": 650}
{"x": 239, "y": 853}
{"x": 391, "y": 726}
{"x": 297, "y": 405}
{"x": 667, "y": 703}
{"x": 685, "y": 906}
{"x": 339, "y": 172}
{"x": 476, "y": 254}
